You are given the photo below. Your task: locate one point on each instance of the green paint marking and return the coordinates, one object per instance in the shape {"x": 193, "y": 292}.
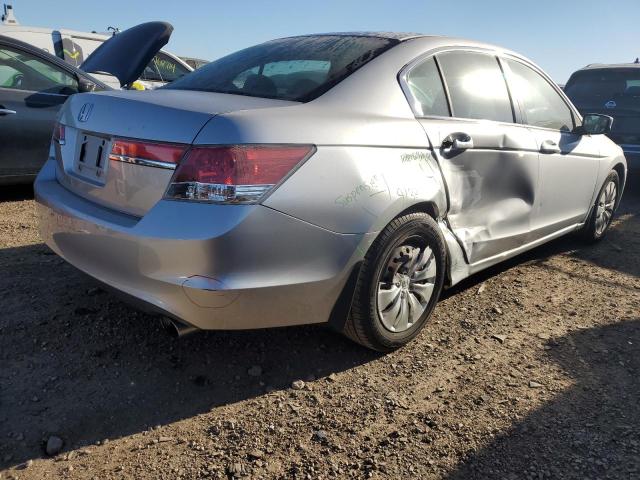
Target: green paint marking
{"x": 74, "y": 55}
{"x": 414, "y": 157}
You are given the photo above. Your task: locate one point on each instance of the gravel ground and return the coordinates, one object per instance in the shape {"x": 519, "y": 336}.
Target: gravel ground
{"x": 528, "y": 370}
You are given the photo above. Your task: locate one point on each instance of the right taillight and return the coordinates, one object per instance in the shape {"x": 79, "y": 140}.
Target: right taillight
{"x": 234, "y": 174}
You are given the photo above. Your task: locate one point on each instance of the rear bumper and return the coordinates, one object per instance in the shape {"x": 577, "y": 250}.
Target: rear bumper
{"x": 211, "y": 266}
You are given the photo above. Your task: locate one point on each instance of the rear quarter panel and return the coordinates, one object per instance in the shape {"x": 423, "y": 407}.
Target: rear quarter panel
{"x": 355, "y": 189}
{"x": 367, "y": 169}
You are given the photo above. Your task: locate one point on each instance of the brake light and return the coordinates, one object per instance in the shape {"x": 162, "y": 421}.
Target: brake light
{"x": 59, "y": 133}
{"x": 147, "y": 153}
{"x": 234, "y": 174}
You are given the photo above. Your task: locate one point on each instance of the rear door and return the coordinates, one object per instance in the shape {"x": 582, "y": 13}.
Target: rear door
{"x": 31, "y": 92}
{"x": 489, "y": 162}
{"x": 569, "y": 162}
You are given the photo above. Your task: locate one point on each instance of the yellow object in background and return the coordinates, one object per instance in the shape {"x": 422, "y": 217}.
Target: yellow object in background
{"x": 137, "y": 86}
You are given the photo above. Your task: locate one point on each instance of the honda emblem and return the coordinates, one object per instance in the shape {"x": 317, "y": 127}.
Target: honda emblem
{"x": 85, "y": 112}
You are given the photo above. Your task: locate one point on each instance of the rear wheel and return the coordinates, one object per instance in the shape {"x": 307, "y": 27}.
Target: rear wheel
{"x": 604, "y": 208}
{"x": 399, "y": 283}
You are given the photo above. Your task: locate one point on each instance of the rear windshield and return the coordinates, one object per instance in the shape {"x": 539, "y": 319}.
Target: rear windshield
{"x": 298, "y": 68}
{"x": 594, "y": 85}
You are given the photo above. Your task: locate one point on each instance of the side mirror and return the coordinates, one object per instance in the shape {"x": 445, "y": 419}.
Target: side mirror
{"x": 85, "y": 86}
{"x": 596, "y": 124}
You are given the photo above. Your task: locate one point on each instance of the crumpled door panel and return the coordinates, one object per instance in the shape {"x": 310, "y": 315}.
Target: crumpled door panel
{"x": 492, "y": 186}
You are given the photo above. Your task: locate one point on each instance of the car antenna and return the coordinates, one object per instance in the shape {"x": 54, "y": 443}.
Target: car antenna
{"x": 114, "y": 30}
{"x": 8, "y": 18}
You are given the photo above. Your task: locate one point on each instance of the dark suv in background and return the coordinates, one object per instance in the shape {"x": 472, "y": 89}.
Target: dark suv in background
{"x": 612, "y": 90}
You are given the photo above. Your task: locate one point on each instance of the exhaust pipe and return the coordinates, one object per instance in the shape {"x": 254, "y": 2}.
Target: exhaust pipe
{"x": 176, "y": 328}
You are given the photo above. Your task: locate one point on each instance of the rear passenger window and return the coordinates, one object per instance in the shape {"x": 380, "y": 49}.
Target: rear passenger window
{"x": 427, "y": 91}
{"x": 543, "y": 106}
{"x": 476, "y": 85}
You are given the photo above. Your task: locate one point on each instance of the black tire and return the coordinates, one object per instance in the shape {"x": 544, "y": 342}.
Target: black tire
{"x": 590, "y": 231}
{"x": 364, "y": 324}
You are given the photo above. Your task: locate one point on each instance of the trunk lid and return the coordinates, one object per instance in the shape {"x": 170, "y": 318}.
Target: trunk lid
{"x": 92, "y": 121}
{"x": 126, "y": 55}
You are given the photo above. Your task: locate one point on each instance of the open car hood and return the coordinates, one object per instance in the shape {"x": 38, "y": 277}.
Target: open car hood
{"x": 126, "y": 54}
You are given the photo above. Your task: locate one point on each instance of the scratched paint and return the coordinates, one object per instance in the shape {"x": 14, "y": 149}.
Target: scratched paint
{"x": 373, "y": 186}
{"x": 369, "y": 186}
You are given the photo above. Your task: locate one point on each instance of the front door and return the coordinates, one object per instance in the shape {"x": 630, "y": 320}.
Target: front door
{"x": 569, "y": 161}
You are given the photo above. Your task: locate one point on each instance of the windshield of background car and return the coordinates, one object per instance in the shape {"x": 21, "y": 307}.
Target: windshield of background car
{"x": 598, "y": 87}
{"x": 298, "y": 68}
{"x": 163, "y": 68}
{"x": 614, "y": 92}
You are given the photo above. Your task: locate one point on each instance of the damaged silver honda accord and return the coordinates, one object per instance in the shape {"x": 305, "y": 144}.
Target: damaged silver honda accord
{"x": 340, "y": 178}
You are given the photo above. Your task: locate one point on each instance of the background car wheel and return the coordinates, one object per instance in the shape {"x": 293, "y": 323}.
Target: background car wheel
{"x": 604, "y": 208}
{"x": 399, "y": 283}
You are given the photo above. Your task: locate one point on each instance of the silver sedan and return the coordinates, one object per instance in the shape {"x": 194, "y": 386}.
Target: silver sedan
{"x": 340, "y": 178}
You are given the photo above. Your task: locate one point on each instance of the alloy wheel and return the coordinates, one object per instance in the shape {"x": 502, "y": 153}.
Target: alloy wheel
{"x": 405, "y": 286}
{"x": 605, "y": 206}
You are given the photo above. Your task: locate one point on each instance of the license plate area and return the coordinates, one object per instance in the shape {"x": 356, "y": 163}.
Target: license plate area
{"x": 91, "y": 160}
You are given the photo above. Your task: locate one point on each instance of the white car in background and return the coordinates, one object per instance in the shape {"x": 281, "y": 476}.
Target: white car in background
{"x": 74, "y": 47}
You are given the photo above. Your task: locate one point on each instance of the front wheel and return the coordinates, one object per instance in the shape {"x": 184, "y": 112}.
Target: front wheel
{"x": 604, "y": 208}
{"x": 399, "y": 283}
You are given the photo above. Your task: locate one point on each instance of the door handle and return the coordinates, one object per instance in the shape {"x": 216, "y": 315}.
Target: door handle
{"x": 549, "y": 146}
{"x": 5, "y": 111}
{"x": 458, "y": 141}
{"x": 460, "y": 144}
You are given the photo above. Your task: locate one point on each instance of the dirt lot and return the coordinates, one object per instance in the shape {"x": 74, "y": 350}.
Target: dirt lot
{"x": 529, "y": 370}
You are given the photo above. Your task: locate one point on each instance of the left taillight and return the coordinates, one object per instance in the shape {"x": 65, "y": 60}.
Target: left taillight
{"x": 234, "y": 174}
{"x": 59, "y": 133}
{"x": 154, "y": 154}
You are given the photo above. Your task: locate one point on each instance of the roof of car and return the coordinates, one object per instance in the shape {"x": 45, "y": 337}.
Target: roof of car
{"x": 401, "y": 36}
{"x": 33, "y": 49}
{"x": 49, "y": 31}
{"x": 605, "y": 66}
